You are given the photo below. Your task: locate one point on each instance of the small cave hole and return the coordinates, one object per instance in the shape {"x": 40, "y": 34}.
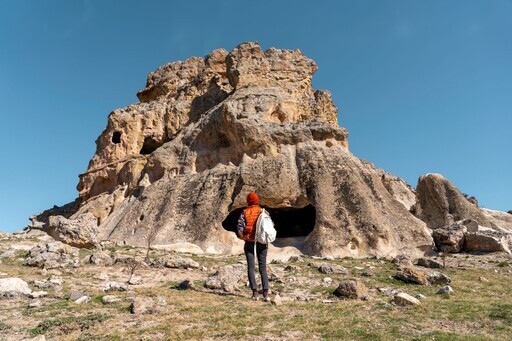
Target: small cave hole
{"x": 116, "y": 137}
{"x": 141, "y": 218}
{"x": 149, "y": 146}
{"x": 288, "y": 221}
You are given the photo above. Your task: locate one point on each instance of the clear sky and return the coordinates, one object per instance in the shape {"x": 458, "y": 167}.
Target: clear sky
{"x": 422, "y": 86}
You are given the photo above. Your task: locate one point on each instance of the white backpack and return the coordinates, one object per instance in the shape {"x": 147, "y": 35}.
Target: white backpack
{"x": 265, "y": 231}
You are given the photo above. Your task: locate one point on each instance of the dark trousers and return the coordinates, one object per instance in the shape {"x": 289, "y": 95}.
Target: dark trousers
{"x": 261, "y": 252}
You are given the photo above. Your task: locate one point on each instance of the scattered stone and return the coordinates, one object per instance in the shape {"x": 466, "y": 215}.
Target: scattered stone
{"x": 8, "y": 254}
{"x": 351, "y": 290}
{"x": 56, "y": 280}
{"x": 488, "y": 241}
{"x": 102, "y": 276}
{"x": 295, "y": 259}
{"x": 429, "y": 263}
{"x": 114, "y": 286}
{"x": 366, "y": 274}
{"x": 401, "y": 260}
{"x": 327, "y": 268}
{"x": 483, "y": 279}
{"x": 291, "y": 268}
{"x": 83, "y": 299}
{"x": 13, "y": 287}
{"x": 186, "y": 285}
{"x": 445, "y": 290}
{"x": 403, "y": 299}
{"x": 161, "y": 301}
{"x": 303, "y": 298}
{"x": 142, "y": 306}
{"x": 226, "y": 277}
{"x": 35, "y": 304}
{"x": 204, "y": 269}
{"x": 53, "y": 255}
{"x": 75, "y": 295}
{"x": 327, "y": 280}
{"x": 327, "y": 301}
{"x": 135, "y": 280}
{"x": 38, "y": 294}
{"x": 177, "y": 262}
{"x": 420, "y": 297}
{"x": 101, "y": 258}
{"x": 437, "y": 278}
{"x": 276, "y": 300}
{"x": 450, "y": 238}
{"x": 411, "y": 274}
{"x": 109, "y": 299}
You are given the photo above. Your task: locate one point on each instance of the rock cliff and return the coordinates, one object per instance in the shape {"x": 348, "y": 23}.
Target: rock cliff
{"x": 176, "y": 167}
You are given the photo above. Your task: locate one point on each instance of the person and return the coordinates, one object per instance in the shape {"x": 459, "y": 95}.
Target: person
{"x": 246, "y": 230}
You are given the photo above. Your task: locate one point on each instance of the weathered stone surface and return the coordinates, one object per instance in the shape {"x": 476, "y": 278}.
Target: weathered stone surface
{"x": 101, "y": 258}
{"x": 404, "y": 299}
{"x": 352, "y": 290}
{"x": 450, "y": 238}
{"x": 114, "y": 286}
{"x": 488, "y": 241}
{"x": 171, "y": 168}
{"x": 328, "y": 268}
{"x": 445, "y": 290}
{"x": 177, "y": 262}
{"x": 441, "y": 204}
{"x": 142, "y": 306}
{"x": 412, "y": 274}
{"x": 429, "y": 263}
{"x": 437, "y": 278}
{"x": 109, "y": 299}
{"x": 53, "y": 255}
{"x": 226, "y": 278}
{"x": 13, "y": 287}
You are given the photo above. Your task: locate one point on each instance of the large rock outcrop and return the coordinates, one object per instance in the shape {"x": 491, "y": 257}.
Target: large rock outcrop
{"x": 174, "y": 167}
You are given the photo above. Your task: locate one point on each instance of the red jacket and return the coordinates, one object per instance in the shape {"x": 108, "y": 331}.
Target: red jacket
{"x": 247, "y": 223}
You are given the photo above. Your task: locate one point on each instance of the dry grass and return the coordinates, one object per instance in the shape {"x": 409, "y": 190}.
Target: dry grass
{"x": 477, "y": 311}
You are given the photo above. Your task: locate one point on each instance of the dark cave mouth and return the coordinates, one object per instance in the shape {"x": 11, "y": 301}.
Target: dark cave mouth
{"x": 288, "y": 221}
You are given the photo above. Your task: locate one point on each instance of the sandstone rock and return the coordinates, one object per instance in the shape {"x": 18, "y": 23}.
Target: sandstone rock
{"x": 488, "y": 241}
{"x": 436, "y": 278}
{"x": 445, "y": 290}
{"x": 135, "y": 280}
{"x": 412, "y": 274}
{"x": 35, "y": 304}
{"x": 450, "y": 238}
{"x": 177, "y": 262}
{"x": 38, "y": 294}
{"x": 402, "y": 260}
{"x": 226, "y": 278}
{"x": 13, "y": 287}
{"x": 101, "y": 258}
{"x": 327, "y": 280}
{"x": 404, "y": 299}
{"x": 83, "y": 299}
{"x": 429, "y": 263}
{"x": 327, "y": 268}
{"x": 109, "y": 299}
{"x": 114, "y": 286}
{"x": 209, "y": 130}
{"x": 420, "y": 297}
{"x": 8, "y": 254}
{"x": 351, "y": 290}
{"x": 483, "y": 279}
{"x": 440, "y": 204}
{"x": 142, "y": 306}
{"x": 75, "y": 295}
{"x": 53, "y": 255}
{"x": 276, "y": 300}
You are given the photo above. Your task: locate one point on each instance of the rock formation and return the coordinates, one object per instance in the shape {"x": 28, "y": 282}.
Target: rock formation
{"x": 176, "y": 167}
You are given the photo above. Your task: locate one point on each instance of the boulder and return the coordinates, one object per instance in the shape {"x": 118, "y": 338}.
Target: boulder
{"x": 177, "y": 262}
{"x": 101, "y": 258}
{"x": 226, "y": 278}
{"x": 412, "y": 274}
{"x": 276, "y": 300}
{"x": 13, "y": 287}
{"x": 450, "y": 238}
{"x": 327, "y": 268}
{"x": 53, "y": 255}
{"x": 109, "y": 299}
{"x": 441, "y": 204}
{"x": 114, "y": 286}
{"x": 404, "y": 299}
{"x": 142, "y": 306}
{"x": 177, "y": 166}
{"x": 429, "y": 263}
{"x": 488, "y": 241}
{"x": 351, "y": 290}
{"x": 38, "y": 294}
{"x": 445, "y": 290}
{"x": 437, "y": 278}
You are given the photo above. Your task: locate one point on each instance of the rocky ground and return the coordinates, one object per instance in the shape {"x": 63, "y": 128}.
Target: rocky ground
{"x": 52, "y": 291}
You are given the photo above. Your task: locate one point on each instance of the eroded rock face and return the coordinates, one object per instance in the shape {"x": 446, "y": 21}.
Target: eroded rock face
{"x": 209, "y": 130}
{"x": 441, "y": 204}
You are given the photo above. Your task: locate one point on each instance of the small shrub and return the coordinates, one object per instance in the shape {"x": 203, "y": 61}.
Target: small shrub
{"x": 4, "y": 326}
{"x": 503, "y": 264}
{"x": 82, "y": 322}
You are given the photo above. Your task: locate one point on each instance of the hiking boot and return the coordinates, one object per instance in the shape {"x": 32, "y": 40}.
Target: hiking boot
{"x": 255, "y": 296}
{"x": 266, "y": 296}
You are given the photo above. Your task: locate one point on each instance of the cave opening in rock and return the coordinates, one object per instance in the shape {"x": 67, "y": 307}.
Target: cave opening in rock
{"x": 288, "y": 221}
{"x": 149, "y": 146}
{"x": 116, "y": 137}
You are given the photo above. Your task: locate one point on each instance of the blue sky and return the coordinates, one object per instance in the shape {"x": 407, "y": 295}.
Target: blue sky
{"x": 422, "y": 86}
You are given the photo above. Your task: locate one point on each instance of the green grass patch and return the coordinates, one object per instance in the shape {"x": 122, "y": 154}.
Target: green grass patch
{"x": 69, "y": 323}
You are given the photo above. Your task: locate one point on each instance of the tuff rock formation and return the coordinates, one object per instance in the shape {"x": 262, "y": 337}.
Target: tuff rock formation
{"x": 177, "y": 166}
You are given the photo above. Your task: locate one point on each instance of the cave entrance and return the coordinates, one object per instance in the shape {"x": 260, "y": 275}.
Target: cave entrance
{"x": 289, "y": 221}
